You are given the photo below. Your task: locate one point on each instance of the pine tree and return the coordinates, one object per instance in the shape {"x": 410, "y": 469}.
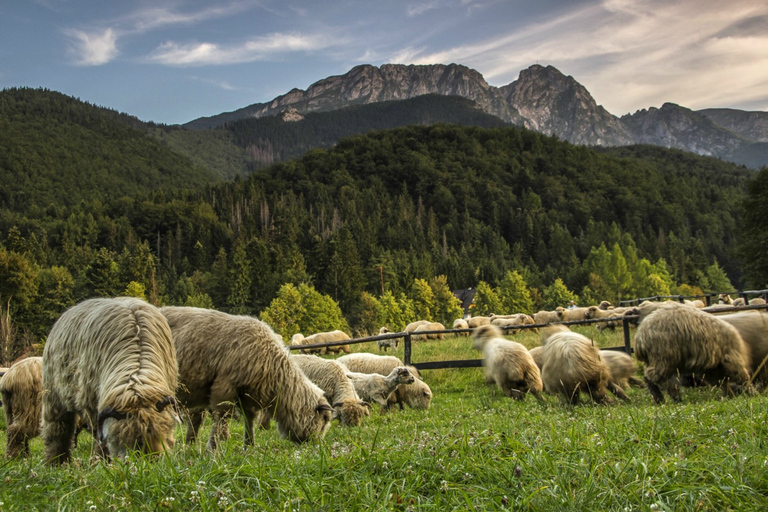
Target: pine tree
{"x": 514, "y": 294}
{"x": 447, "y": 306}
{"x": 486, "y": 301}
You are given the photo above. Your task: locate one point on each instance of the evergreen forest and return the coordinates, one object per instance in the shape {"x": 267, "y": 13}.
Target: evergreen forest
{"x": 376, "y": 229}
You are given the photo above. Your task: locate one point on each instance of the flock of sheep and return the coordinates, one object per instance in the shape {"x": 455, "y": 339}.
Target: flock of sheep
{"x": 127, "y": 371}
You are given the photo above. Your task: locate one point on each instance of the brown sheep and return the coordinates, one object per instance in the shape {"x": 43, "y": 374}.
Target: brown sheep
{"x": 572, "y": 365}
{"x": 20, "y": 388}
{"x": 674, "y": 341}
{"x": 331, "y": 377}
{"x": 228, "y": 361}
{"x": 112, "y": 361}
{"x": 507, "y": 363}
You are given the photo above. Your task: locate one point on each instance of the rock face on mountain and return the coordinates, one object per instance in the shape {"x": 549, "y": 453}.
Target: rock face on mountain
{"x": 556, "y": 104}
{"x": 673, "y": 126}
{"x": 542, "y": 99}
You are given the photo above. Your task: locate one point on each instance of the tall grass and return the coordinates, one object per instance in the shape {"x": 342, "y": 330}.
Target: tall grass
{"x": 474, "y": 449}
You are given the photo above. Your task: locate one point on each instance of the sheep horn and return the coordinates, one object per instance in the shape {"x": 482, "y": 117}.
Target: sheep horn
{"x": 104, "y": 415}
{"x": 337, "y": 404}
{"x": 165, "y": 402}
{"x": 364, "y": 403}
{"x": 323, "y": 407}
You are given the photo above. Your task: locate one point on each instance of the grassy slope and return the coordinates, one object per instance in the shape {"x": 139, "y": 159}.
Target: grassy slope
{"x": 474, "y": 449}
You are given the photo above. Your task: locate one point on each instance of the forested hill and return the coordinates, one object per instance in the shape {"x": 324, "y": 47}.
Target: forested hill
{"x": 57, "y": 150}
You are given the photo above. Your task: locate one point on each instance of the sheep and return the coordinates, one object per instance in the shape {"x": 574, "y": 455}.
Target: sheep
{"x": 298, "y": 339}
{"x": 753, "y": 328}
{"x": 724, "y": 298}
{"x": 571, "y": 315}
{"x": 460, "y": 323}
{"x": 387, "y": 343}
{"x": 330, "y": 376}
{"x": 20, "y": 388}
{"x": 674, "y": 341}
{"x": 572, "y": 365}
{"x": 429, "y": 326}
{"x": 537, "y": 353}
{"x": 605, "y": 305}
{"x": 330, "y": 337}
{"x": 623, "y": 368}
{"x": 477, "y": 321}
{"x": 756, "y": 301}
{"x": 228, "y": 361}
{"x": 417, "y": 395}
{"x": 413, "y": 325}
{"x": 113, "y": 362}
{"x": 546, "y": 317}
{"x": 595, "y": 312}
{"x": 508, "y": 364}
{"x": 373, "y": 387}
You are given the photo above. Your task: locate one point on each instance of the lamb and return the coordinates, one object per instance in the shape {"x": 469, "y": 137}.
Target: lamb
{"x": 507, "y": 363}
{"x": 476, "y": 321}
{"x": 572, "y": 365}
{"x": 674, "y": 341}
{"x": 460, "y": 323}
{"x": 228, "y": 361}
{"x": 20, "y": 388}
{"x": 330, "y": 376}
{"x": 387, "y": 343}
{"x": 113, "y": 362}
{"x": 373, "y": 387}
{"x": 623, "y": 368}
{"x": 417, "y": 395}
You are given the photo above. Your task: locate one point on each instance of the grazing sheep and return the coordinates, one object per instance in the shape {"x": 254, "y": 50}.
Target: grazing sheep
{"x": 476, "y": 321}
{"x": 330, "y": 337}
{"x": 623, "y": 368}
{"x": 460, "y": 323}
{"x": 20, "y": 388}
{"x": 373, "y": 387}
{"x": 546, "y": 317}
{"x": 413, "y": 325}
{"x": 429, "y": 326}
{"x": 753, "y": 328}
{"x": 572, "y": 365}
{"x": 674, "y": 341}
{"x": 756, "y": 301}
{"x": 507, "y": 363}
{"x": 596, "y": 312}
{"x": 113, "y": 362}
{"x": 298, "y": 339}
{"x": 572, "y": 315}
{"x": 363, "y": 362}
{"x": 331, "y": 377}
{"x": 416, "y": 395}
{"x": 387, "y": 343}
{"x": 228, "y": 361}
{"x": 537, "y": 353}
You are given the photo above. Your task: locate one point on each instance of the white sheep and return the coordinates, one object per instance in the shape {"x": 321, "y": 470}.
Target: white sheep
{"x": 373, "y": 387}
{"x": 460, "y": 323}
{"x": 546, "y": 317}
{"x": 476, "y": 321}
{"x": 507, "y": 363}
{"x": 571, "y": 315}
{"x": 230, "y": 361}
{"x": 113, "y": 362}
{"x": 388, "y": 343}
{"x": 429, "y": 326}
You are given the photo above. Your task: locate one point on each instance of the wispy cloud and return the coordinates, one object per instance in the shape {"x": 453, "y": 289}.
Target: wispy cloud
{"x": 158, "y": 16}
{"x": 261, "y": 48}
{"x": 422, "y": 7}
{"x": 630, "y": 52}
{"x": 220, "y": 84}
{"x": 94, "y": 48}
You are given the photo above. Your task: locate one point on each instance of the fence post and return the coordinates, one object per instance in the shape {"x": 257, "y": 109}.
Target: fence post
{"x": 627, "y": 345}
{"x": 407, "y": 349}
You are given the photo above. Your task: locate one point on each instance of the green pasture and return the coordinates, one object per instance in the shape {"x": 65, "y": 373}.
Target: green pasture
{"x": 473, "y": 450}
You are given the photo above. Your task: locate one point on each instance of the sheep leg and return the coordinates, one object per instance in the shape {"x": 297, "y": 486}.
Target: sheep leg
{"x": 193, "y": 421}
{"x": 58, "y": 433}
{"x": 219, "y": 430}
{"x": 249, "y": 414}
{"x": 616, "y": 390}
{"x": 17, "y": 442}
{"x": 265, "y": 418}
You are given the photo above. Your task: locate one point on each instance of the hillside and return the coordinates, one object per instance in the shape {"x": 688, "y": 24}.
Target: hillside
{"x": 57, "y": 150}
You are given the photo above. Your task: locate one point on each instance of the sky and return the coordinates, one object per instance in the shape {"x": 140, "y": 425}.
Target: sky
{"x": 172, "y": 61}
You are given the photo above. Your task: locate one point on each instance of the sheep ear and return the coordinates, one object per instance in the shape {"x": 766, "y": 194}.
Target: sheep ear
{"x": 165, "y": 402}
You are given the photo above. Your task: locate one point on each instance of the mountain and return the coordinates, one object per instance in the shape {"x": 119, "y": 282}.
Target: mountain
{"x": 542, "y": 99}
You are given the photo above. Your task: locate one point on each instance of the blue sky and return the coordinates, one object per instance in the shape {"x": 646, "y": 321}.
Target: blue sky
{"x": 171, "y": 61}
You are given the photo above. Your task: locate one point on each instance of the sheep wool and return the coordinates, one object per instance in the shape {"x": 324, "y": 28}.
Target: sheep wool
{"x": 112, "y": 361}
{"x": 20, "y": 388}
{"x": 229, "y": 359}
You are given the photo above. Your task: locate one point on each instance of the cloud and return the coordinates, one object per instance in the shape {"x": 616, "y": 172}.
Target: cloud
{"x": 261, "y": 48}
{"x": 158, "y": 16}
{"x": 92, "y": 49}
{"x": 421, "y": 8}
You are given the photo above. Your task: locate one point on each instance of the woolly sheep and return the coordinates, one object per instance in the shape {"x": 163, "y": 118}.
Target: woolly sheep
{"x": 537, "y": 353}
{"x": 756, "y": 301}
{"x": 413, "y": 325}
{"x": 330, "y": 337}
{"x": 460, "y": 323}
{"x": 674, "y": 341}
{"x": 298, "y": 339}
{"x": 476, "y": 321}
{"x": 508, "y": 364}
{"x": 228, "y": 361}
{"x": 373, "y": 387}
{"x": 20, "y": 388}
{"x": 387, "y": 343}
{"x": 429, "y": 326}
{"x": 546, "y": 317}
{"x": 623, "y": 368}
{"x": 724, "y": 298}
{"x": 417, "y": 395}
{"x": 753, "y": 328}
{"x": 112, "y": 361}
{"x": 331, "y": 377}
{"x": 605, "y": 305}
{"x": 572, "y": 315}
{"x": 572, "y": 365}
{"x": 595, "y": 312}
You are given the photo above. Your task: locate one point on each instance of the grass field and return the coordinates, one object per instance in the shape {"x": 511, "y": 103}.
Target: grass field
{"x": 473, "y": 450}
